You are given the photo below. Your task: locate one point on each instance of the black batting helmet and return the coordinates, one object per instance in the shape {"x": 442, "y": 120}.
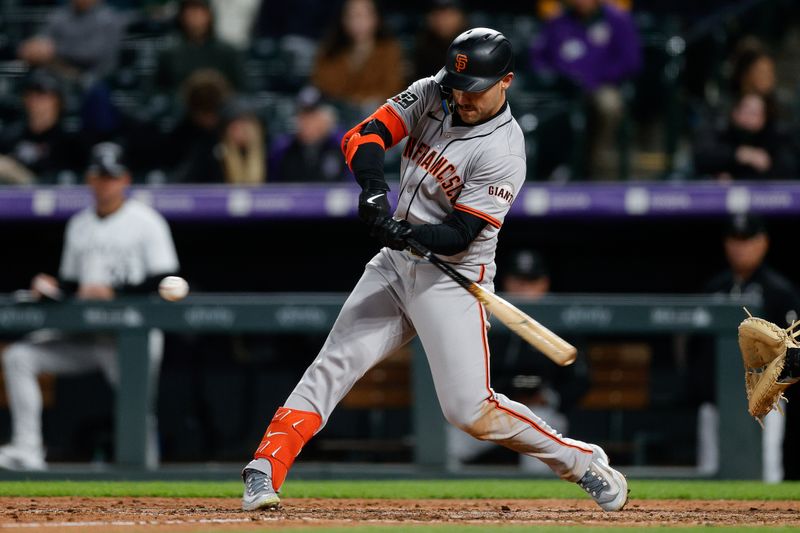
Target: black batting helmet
{"x": 476, "y": 60}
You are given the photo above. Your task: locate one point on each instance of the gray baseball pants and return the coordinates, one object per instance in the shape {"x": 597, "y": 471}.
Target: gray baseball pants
{"x": 399, "y": 296}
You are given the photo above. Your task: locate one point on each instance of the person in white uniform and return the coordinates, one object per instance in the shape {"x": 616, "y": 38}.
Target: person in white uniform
{"x": 462, "y": 167}
{"x": 117, "y": 246}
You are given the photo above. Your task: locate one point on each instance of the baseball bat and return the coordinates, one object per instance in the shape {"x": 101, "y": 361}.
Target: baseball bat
{"x": 554, "y": 347}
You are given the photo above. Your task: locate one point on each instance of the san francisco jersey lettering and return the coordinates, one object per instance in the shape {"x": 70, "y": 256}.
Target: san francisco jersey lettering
{"x": 477, "y": 169}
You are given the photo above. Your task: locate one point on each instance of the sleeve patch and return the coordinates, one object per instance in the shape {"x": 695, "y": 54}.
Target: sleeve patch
{"x": 405, "y": 99}
{"x": 502, "y": 194}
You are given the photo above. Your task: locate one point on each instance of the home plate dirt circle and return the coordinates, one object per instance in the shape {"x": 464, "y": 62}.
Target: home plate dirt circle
{"x": 182, "y": 514}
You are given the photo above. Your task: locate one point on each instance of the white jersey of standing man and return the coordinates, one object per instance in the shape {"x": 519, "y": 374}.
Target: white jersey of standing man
{"x": 116, "y": 246}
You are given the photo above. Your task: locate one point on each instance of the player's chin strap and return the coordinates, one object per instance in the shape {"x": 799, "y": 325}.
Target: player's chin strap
{"x": 447, "y": 100}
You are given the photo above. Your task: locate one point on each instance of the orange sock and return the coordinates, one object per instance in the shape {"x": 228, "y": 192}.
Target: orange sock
{"x": 286, "y": 435}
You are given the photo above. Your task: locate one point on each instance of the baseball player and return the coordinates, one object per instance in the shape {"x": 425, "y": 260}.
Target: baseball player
{"x": 116, "y": 246}
{"x": 462, "y": 166}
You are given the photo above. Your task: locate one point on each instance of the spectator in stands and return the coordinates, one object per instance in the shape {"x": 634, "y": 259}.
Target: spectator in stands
{"x": 81, "y": 40}
{"x": 114, "y": 247}
{"x": 592, "y": 43}
{"x": 754, "y": 73}
{"x": 197, "y": 49}
{"x": 551, "y": 390}
{"x": 549, "y": 9}
{"x": 748, "y": 147}
{"x": 190, "y": 151}
{"x": 234, "y": 20}
{"x": 242, "y": 148}
{"x": 36, "y": 149}
{"x": 313, "y": 152}
{"x": 445, "y": 20}
{"x": 359, "y": 62}
{"x": 595, "y": 46}
{"x": 746, "y": 244}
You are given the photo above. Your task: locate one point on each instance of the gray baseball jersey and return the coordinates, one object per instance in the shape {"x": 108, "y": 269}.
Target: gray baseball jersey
{"x": 478, "y": 169}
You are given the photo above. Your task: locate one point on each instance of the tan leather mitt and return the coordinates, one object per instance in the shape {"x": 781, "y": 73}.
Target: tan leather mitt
{"x": 763, "y": 346}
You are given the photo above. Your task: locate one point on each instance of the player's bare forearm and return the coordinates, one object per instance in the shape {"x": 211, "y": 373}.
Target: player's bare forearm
{"x": 95, "y": 292}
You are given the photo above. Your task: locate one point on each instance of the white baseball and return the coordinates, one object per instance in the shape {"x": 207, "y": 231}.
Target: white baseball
{"x": 173, "y": 288}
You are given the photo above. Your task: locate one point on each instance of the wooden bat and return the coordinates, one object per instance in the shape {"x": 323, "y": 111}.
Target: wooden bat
{"x": 554, "y": 347}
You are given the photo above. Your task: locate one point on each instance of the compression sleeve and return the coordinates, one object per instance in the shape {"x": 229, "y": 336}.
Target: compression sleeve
{"x": 68, "y": 287}
{"x": 148, "y": 285}
{"x": 367, "y": 167}
{"x": 452, "y": 236}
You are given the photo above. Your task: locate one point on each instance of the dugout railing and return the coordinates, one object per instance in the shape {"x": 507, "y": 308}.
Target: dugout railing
{"x": 130, "y": 319}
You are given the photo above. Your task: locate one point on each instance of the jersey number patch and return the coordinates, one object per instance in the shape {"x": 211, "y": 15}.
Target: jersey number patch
{"x": 405, "y": 99}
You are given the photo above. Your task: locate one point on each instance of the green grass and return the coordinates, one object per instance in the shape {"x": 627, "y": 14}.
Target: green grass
{"x": 406, "y": 489}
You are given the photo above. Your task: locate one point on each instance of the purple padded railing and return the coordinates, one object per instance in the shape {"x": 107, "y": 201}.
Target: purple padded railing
{"x": 640, "y": 199}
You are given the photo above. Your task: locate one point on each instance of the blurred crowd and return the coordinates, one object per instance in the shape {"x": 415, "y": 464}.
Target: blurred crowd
{"x": 249, "y": 92}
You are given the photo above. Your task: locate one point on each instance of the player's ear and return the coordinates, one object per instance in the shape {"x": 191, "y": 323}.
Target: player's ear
{"x": 505, "y": 81}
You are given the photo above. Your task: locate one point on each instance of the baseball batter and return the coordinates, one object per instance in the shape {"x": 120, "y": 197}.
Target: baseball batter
{"x": 462, "y": 167}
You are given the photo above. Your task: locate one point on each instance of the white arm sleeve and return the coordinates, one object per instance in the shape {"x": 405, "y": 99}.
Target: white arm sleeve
{"x": 70, "y": 258}
{"x": 159, "y": 250}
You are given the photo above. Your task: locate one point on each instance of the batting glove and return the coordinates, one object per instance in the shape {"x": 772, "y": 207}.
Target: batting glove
{"x": 373, "y": 203}
{"x": 393, "y": 233}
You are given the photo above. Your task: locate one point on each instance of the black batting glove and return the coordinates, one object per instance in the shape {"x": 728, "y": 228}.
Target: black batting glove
{"x": 392, "y": 233}
{"x": 373, "y": 203}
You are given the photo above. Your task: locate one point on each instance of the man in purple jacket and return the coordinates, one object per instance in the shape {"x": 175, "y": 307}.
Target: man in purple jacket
{"x": 596, "y": 46}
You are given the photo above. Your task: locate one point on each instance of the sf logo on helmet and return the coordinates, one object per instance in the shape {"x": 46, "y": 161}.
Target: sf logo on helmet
{"x": 461, "y": 62}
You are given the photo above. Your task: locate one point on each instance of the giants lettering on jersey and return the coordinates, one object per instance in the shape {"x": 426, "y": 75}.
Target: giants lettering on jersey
{"x": 502, "y": 193}
{"x": 446, "y": 173}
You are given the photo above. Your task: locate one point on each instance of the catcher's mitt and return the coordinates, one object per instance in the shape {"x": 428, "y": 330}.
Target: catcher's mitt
{"x": 763, "y": 346}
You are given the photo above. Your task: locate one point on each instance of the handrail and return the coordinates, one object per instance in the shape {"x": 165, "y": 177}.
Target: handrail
{"x": 313, "y": 200}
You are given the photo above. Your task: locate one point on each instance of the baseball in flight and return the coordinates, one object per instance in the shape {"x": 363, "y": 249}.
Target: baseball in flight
{"x": 173, "y": 288}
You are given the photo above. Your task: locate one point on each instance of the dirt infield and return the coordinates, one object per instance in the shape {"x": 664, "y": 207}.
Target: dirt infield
{"x": 183, "y": 514}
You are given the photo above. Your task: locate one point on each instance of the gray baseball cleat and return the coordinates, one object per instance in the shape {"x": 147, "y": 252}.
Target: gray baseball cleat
{"x": 608, "y": 487}
{"x": 258, "y": 491}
